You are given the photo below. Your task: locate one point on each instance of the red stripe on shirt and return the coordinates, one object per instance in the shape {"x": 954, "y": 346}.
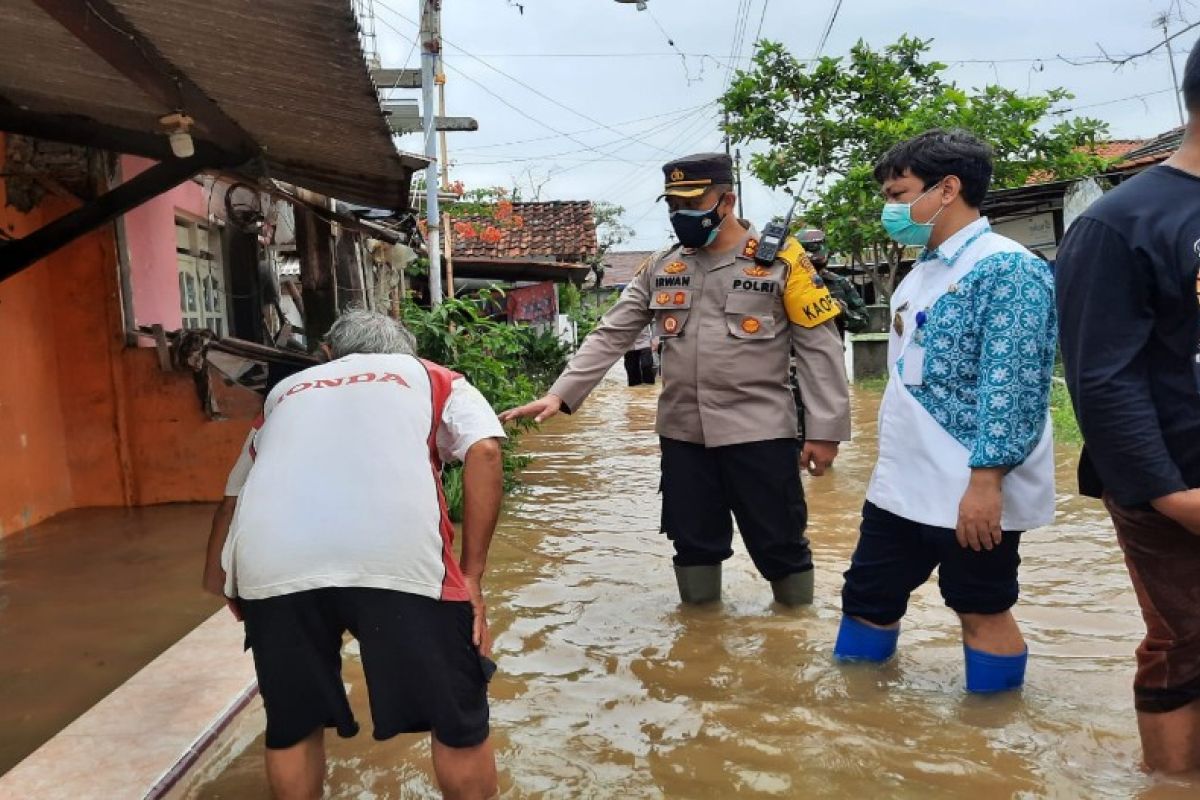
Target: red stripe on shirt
{"x": 255, "y": 426}
{"x": 441, "y": 381}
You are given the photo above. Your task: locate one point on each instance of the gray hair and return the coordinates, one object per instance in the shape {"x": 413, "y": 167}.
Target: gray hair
{"x": 361, "y": 331}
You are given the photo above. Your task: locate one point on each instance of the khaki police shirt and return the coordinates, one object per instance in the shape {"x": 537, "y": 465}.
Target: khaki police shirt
{"x": 726, "y": 340}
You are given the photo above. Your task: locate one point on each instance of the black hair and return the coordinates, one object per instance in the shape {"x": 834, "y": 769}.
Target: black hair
{"x": 938, "y": 153}
{"x": 1191, "y": 80}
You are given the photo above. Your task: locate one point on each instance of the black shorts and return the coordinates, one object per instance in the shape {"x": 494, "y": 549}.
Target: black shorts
{"x": 896, "y": 555}
{"x": 422, "y": 671}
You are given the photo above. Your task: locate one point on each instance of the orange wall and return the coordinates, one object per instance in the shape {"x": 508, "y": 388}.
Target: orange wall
{"x": 84, "y": 420}
{"x": 35, "y": 481}
{"x": 177, "y": 453}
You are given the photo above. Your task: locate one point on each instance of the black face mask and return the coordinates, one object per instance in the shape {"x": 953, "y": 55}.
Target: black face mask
{"x": 696, "y": 229}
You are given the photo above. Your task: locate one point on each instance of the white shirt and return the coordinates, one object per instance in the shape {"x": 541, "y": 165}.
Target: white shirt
{"x": 339, "y": 482}
{"x": 923, "y": 470}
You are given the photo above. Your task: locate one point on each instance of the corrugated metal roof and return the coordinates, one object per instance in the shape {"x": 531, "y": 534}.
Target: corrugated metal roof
{"x": 291, "y": 73}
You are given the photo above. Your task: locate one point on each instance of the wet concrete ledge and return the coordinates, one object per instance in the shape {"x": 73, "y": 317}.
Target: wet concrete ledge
{"x": 145, "y": 738}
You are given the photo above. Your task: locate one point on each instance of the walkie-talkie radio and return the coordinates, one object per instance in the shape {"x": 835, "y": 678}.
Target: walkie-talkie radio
{"x": 772, "y": 238}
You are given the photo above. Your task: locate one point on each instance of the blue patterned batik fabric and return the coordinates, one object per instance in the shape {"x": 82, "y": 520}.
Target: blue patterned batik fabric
{"x": 989, "y": 358}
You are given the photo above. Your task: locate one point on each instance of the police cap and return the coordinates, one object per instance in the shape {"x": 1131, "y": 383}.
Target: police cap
{"x": 691, "y": 176}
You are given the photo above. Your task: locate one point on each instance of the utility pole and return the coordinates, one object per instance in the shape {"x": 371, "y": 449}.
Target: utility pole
{"x": 1171, "y": 60}
{"x": 737, "y": 176}
{"x": 431, "y": 46}
{"x": 441, "y": 84}
{"x": 725, "y": 128}
{"x": 447, "y": 246}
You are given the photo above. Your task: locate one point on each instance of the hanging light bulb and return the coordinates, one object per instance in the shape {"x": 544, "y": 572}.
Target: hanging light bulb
{"x": 177, "y": 126}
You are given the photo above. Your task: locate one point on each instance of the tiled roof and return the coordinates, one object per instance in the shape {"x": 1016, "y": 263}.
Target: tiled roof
{"x": 1116, "y": 148}
{"x": 559, "y": 230}
{"x": 1157, "y": 149}
{"x": 1111, "y": 150}
{"x": 620, "y": 267}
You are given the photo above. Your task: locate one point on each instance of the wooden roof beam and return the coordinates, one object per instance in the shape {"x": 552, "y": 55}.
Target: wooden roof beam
{"x": 86, "y": 132}
{"x": 19, "y": 254}
{"x": 112, "y": 37}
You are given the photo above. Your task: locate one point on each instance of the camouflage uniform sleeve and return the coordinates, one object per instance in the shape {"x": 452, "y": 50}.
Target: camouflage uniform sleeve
{"x": 857, "y": 319}
{"x": 615, "y": 334}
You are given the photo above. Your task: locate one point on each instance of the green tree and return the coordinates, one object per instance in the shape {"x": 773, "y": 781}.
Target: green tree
{"x": 610, "y": 232}
{"x": 830, "y": 120}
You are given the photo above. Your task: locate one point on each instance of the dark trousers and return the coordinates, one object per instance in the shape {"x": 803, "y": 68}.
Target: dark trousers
{"x": 895, "y": 555}
{"x": 639, "y": 366}
{"x": 757, "y": 482}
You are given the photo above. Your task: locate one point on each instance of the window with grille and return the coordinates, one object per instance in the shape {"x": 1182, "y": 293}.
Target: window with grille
{"x": 202, "y": 288}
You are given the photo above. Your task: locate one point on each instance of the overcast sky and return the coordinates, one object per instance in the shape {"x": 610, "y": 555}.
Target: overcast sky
{"x": 590, "y": 93}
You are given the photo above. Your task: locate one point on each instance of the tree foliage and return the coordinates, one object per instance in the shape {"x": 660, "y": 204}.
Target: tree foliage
{"x": 610, "y": 228}
{"x": 830, "y": 120}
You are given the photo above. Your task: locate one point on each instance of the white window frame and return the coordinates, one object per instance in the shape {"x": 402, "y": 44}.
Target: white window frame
{"x": 203, "y": 286}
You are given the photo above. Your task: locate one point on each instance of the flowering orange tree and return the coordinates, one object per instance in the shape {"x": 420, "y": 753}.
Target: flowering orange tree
{"x": 484, "y": 214}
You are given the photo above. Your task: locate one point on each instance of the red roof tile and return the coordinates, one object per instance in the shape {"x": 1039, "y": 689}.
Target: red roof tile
{"x": 1111, "y": 150}
{"x": 1116, "y": 147}
{"x": 560, "y": 230}
{"x": 1153, "y": 150}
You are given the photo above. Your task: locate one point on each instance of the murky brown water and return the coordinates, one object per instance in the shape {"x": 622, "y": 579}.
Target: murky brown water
{"x": 608, "y": 688}
{"x": 88, "y": 598}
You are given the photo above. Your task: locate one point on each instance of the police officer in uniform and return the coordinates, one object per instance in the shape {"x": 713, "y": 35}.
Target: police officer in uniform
{"x": 726, "y": 420}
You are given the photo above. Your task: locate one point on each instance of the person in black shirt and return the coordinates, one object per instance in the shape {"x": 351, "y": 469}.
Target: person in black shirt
{"x": 1127, "y": 280}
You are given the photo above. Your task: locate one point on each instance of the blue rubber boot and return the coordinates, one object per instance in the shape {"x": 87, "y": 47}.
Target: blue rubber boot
{"x": 858, "y": 641}
{"x": 988, "y": 673}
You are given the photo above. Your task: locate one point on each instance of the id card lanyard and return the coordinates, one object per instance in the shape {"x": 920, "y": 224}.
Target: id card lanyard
{"x": 912, "y": 370}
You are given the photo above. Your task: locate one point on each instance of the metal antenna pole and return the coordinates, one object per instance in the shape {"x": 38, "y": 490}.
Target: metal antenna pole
{"x": 1174, "y": 75}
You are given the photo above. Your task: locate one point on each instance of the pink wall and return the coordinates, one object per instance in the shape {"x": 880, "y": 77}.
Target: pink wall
{"x": 150, "y": 242}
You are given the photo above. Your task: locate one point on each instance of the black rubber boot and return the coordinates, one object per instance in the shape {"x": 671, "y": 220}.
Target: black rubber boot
{"x": 794, "y": 590}
{"x": 699, "y": 584}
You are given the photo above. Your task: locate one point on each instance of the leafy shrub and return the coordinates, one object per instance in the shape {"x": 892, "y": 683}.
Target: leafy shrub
{"x": 510, "y": 365}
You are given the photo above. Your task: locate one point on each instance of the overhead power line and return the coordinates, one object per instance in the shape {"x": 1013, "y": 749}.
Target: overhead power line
{"x": 515, "y": 80}
{"x": 502, "y": 159}
{"x": 673, "y": 113}
{"x": 1166, "y": 42}
{"x": 505, "y": 102}
{"x": 1072, "y": 109}
{"x": 761, "y": 19}
{"x": 1089, "y": 60}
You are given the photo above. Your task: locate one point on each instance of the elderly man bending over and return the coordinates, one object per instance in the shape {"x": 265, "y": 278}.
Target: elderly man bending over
{"x": 334, "y": 521}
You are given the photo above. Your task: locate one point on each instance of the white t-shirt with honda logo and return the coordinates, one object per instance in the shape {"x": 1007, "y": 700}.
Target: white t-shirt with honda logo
{"x": 339, "y": 483}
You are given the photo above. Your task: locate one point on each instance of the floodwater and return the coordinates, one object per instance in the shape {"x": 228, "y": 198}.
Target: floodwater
{"x": 609, "y": 689}
{"x": 88, "y": 598}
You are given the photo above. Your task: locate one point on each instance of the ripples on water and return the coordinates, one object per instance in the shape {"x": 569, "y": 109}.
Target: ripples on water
{"x": 608, "y": 688}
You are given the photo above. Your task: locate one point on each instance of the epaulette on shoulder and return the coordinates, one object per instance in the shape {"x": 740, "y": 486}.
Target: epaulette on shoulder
{"x": 656, "y": 256}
